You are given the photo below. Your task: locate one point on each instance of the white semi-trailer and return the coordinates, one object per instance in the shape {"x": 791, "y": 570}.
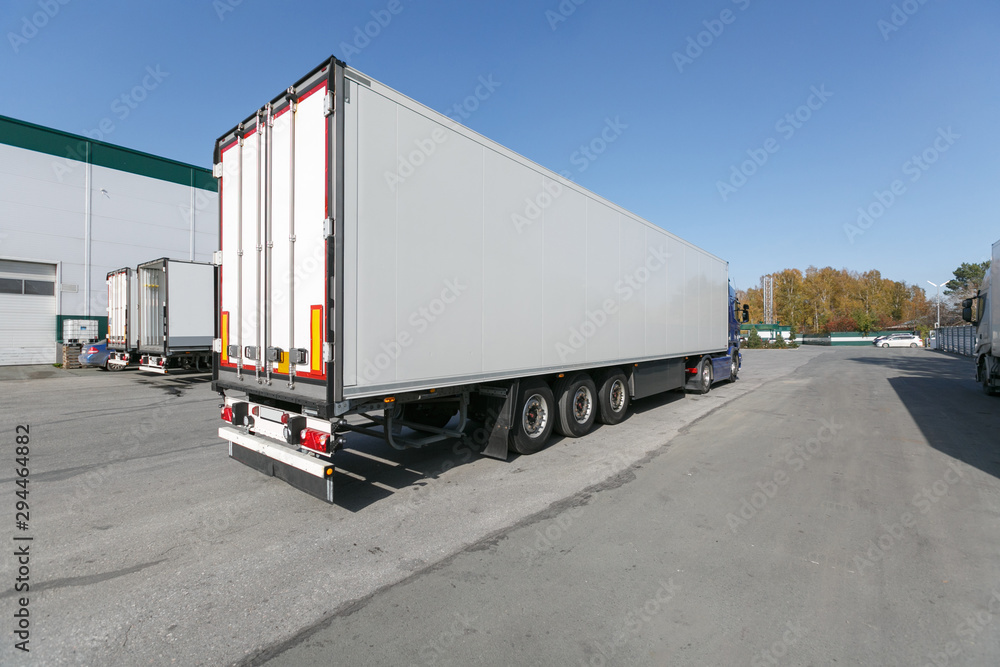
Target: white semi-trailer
{"x": 987, "y": 352}
{"x": 388, "y": 271}
{"x": 123, "y": 302}
{"x": 176, "y": 303}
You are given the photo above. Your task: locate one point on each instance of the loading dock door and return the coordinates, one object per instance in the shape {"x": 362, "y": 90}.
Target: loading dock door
{"x": 27, "y": 313}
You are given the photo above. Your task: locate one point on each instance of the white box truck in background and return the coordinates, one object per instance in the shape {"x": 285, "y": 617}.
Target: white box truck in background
{"x": 176, "y": 302}
{"x": 123, "y": 302}
{"x": 987, "y": 321}
{"x": 387, "y": 271}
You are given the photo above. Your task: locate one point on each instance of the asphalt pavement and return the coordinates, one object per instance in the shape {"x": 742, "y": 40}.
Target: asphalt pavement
{"x": 844, "y": 514}
{"x": 693, "y": 533}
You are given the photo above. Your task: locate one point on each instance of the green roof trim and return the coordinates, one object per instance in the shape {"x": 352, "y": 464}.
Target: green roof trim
{"x": 33, "y": 137}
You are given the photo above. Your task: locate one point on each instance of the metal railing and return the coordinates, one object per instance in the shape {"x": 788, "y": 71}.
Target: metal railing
{"x": 961, "y": 340}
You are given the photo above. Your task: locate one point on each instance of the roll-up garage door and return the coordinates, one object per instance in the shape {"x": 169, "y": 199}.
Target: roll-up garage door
{"x": 27, "y": 313}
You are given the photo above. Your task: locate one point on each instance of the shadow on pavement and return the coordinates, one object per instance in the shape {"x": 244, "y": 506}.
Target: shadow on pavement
{"x": 943, "y": 398}
{"x": 369, "y": 470}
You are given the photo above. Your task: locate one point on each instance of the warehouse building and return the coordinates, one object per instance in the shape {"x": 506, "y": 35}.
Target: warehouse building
{"x": 71, "y": 210}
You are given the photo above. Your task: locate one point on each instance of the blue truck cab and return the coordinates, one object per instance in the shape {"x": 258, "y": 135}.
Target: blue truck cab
{"x": 703, "y": 372}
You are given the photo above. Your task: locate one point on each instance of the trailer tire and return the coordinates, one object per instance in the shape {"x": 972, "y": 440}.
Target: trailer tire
{"x": 576, "y": 402}
{"x": 534, "y": 417}
{"x": 704, "y": 377}
{"x": 612, "y": 397}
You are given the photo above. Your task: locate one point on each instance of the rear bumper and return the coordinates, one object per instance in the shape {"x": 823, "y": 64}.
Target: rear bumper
{"x": 119, "y": 358}
{"x": 150, "y": 368}
{"x": 304, "y": 472}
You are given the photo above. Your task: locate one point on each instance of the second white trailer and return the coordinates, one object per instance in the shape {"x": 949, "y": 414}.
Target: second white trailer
{"x": 378, "y": 258}
{"x": 175, "y": 315}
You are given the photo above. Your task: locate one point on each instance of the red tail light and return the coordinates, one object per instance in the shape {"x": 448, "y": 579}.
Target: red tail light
{"x": 227, "y": 414}
{"x": 315, "y": 440}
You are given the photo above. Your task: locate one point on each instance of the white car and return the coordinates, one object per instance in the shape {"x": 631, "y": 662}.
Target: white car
{"x": 899, "y": 340}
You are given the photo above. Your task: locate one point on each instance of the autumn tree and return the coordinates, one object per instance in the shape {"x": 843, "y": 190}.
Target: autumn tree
{"x": 828, "y": 299}
{"x": 789, "y": 300}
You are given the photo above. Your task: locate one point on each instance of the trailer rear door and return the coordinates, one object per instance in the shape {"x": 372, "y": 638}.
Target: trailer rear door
{"x": 120, "y": 302}
{"x": 274, "y": 201}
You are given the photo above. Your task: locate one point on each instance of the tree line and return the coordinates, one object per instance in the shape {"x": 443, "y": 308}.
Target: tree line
{"x": 828, "y": 299}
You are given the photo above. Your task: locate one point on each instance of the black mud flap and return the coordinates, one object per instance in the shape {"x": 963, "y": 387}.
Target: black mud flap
{"x": 500, "y": 435}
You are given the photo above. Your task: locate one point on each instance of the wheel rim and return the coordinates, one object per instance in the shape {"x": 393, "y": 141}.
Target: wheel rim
{"x": 734, "y": 367}
{"x": 617, "y": 397}
{"x": 535, "y": 416}
{"x": 583, "y": 405}
{"x": 706, "y": 378}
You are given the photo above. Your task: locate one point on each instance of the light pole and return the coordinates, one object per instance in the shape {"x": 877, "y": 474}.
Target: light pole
{"x": 937, "y": 324}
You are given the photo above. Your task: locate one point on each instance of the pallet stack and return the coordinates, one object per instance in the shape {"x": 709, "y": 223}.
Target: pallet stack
{"x": 71, "y": 356}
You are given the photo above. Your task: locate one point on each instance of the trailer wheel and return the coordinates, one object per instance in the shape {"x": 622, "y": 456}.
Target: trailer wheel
{"x": 612, "y": 398}
{"x": 704, "y": 377}
{"x": 534, "y": 417}
{"x": 576, "y": 400}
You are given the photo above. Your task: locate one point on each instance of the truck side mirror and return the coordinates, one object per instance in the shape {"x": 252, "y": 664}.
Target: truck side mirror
{"x": 746, "y": 312}
{"x": 967, "y": 310}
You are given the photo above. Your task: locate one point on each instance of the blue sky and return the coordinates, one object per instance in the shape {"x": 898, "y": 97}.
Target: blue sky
{"x": 696, "y": 89}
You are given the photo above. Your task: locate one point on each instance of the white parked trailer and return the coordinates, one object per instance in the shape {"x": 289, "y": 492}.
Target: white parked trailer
{"x": 123, "y": 317}
{"x": 378, "y": 258}
{"x": 176, "y": 302}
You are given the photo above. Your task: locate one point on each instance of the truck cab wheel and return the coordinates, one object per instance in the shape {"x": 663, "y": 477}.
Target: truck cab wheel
{"x": 984, "y": 375}
{"x": 612, "y": 398}
{"x": 734, "y": 367}
{"x": 534, "y": 417}
{"x": 576, "y": 403}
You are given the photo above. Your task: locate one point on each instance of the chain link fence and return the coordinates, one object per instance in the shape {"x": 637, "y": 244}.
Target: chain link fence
{"x": 961, "y": 340}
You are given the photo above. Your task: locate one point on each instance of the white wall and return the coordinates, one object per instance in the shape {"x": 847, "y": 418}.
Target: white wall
{"x": 46, "y": 215}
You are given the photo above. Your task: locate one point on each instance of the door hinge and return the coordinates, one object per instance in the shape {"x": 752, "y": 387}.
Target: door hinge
{"x": 327, "y": 352}
{"x": 217, "y": 258}
{"x": 329, "y": 104}
{"x": 217, "y": 345}
{"x": 328, "y": 227}
{"x": 217, "y": 170}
